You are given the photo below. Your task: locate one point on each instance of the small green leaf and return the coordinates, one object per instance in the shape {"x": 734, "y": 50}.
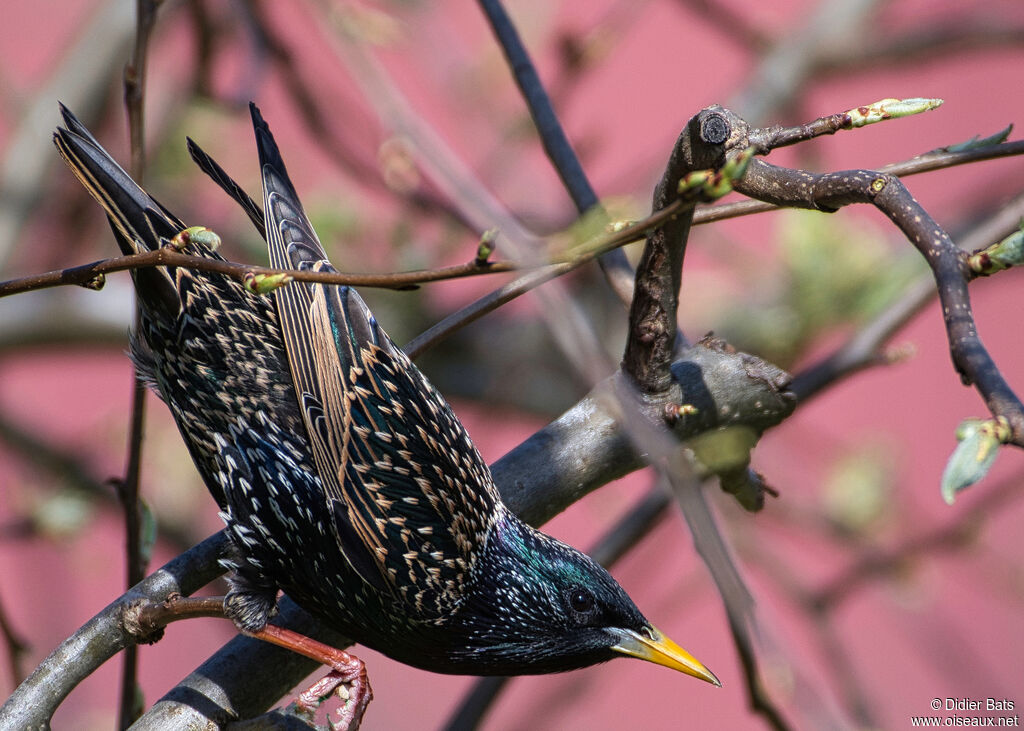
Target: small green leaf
{"x": 974, "y": 455}
{"x": 977, "y": 141}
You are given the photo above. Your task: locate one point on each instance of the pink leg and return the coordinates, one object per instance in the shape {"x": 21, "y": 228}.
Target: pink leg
{"x": 347, "y": 672}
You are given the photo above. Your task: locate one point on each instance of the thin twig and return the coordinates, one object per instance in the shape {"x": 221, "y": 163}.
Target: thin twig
{"x": 553, "y": 138}
{"x": 87, "y": 274}
{"x": 17, "y": 646}
{"x": 736, "y": 597}
{"x": 128, "y": 486}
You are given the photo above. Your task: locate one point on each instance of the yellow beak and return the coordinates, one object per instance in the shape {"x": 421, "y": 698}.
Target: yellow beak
{"x": 659, "y": 649}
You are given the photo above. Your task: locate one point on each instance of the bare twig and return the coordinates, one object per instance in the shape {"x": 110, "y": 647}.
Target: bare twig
{"x": 128, "y": 486}
{"x": 17, "y": 647}
{"x": 86, "y": 274}
{"x": 553, "y": 138}
{"x": 736, "y": 597}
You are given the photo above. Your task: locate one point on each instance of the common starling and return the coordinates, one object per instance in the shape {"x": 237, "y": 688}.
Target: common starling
{"x": 343, "y": 476}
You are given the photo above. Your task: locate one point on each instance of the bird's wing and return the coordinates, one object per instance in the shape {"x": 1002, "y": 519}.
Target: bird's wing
{"x": 413, "y": 502}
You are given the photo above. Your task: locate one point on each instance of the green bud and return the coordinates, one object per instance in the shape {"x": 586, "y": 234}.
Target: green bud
{"x": 890, "y": 109}
{"x": 486, "y": 247}
{"x": 712, "y": 184}
{"x": 1002, "y": 255}
{"x": 265, "y": 283}
{"x": 95, "y": 283}
{"x": 696, "y": 179}
{"x": 724, "y": 450}
{"x": 974, "y": 455}
{"x": 736, "y": 167}
{"x": 196, "y": 235}
{"x": 618, "y": 225}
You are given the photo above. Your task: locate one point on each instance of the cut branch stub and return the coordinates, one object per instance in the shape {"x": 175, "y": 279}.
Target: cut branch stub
{"x": 652, "y": 317}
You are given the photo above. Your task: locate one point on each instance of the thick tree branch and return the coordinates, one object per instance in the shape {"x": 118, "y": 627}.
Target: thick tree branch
{"x": 863, "y": 348}
{"x": 927, "y": 162}
{"x": 35, "y": 700}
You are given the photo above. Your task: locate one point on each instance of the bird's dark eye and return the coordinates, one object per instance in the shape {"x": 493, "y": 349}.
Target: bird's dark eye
{"x": 580, "y": 600}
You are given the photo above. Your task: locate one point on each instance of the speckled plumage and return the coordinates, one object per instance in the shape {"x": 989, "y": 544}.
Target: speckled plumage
{"x": 343, "y": 476}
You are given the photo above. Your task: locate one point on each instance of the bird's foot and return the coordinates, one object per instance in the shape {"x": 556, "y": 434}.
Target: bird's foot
{"x": 351, "y": 685}
{"x": 347, "y": 677}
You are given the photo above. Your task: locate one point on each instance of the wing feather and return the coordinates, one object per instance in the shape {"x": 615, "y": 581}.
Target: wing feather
{"x": 413, "y": 501}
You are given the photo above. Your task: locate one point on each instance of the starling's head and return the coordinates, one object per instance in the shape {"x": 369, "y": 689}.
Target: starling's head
{"x": 537, "y": 606}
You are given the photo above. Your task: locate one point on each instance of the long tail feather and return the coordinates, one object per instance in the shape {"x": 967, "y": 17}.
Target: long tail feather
{"x": 216, "y": 173}
{"x": 139, "y": 221}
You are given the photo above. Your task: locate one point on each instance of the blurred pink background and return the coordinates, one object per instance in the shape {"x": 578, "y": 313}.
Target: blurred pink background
{"x": 947, "y": 624}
